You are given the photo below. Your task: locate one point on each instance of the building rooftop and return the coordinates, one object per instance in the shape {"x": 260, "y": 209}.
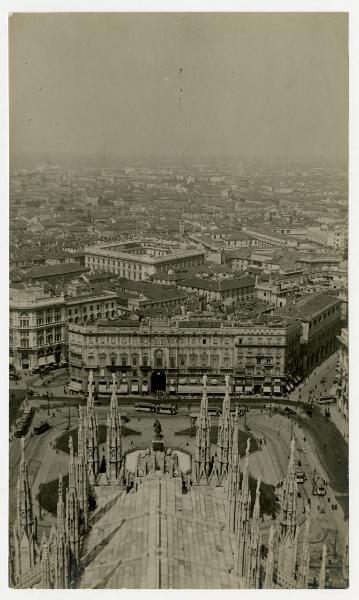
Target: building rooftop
{"x": 309, "y": 305}
{"x": 218, "y": 286}
{"x": 314, "y": 303}
{"x": 57, "y": 269}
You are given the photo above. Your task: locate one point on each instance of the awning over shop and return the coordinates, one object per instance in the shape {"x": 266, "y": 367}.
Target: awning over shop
{"x": 42, "y": 361}
{"x": 276, "y": 389}
{"x": 239, "y": 388}
{"x": 123, "y": 387}
{"x": 172, "y": 381}
{"x": 193, "y": 381}
{"x": 134, "y": 386}
{"x": 190, "y": 389}
{"x": 248, "y": 387}
{"x": 145, "y": 386}
{"x": 182, "y": 381}
{"x": 102, "y": 386}
{"x": 216, "y": 389}
{"x": 213, "y": 381}
{"x": 50, "y": 359}
{"x": 267, "y": 389}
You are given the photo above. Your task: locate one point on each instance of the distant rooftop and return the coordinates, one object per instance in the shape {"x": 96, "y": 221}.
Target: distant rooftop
{"x": 58, "y": 269}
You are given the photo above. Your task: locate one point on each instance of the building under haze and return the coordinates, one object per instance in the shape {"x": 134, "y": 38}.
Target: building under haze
{"x": 138, "y": 260}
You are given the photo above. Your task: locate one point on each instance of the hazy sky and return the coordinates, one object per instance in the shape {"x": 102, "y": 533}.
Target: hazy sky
{"x": 106, "y": 87}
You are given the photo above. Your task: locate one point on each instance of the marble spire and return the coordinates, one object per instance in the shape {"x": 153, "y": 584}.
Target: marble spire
{"x": 82, "y": 472}
{"x": 45, "y": 564}
{"x": 253, "y": 568}
{"x": 114, "y": 438}
{"x": 61, "y": 545}
{"x": 72, "y": 516}
{"x": 268, "y": 580}
{"x": 203, "y": 440}
{"x": 323, "y": 566}
{"x": 303, "y": 570}
{"x": 224, "y": 440}
{"x": 234, "y": 479}
{"x": 93, "y": 458}
{"x": 288, "y": 532}
{"x": 24, "y": 528}
{"x": 243, "y": 518}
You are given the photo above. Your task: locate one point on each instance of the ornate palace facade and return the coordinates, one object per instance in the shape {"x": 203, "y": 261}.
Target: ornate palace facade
{"x": 173, "y": 355}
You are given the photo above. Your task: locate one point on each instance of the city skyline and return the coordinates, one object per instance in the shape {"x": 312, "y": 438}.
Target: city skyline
{"x": 178, "y": 301}
{"x": 101, "y": 88}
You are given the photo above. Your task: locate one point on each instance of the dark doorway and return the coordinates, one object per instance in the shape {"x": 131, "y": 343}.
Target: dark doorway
{"x": 158, "y": 381}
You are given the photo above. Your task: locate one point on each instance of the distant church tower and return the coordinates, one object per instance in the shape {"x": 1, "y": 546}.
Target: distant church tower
{"x": 24, "y": 528}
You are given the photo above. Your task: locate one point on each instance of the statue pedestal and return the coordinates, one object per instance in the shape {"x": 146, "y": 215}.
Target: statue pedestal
{"x": 157, "y": 446}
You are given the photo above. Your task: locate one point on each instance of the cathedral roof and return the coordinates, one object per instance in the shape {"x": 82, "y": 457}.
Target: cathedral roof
{"x": 158, "y": 537}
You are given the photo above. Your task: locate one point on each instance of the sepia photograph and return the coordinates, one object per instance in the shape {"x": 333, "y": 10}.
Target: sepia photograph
{"x": 178, "y": 301}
